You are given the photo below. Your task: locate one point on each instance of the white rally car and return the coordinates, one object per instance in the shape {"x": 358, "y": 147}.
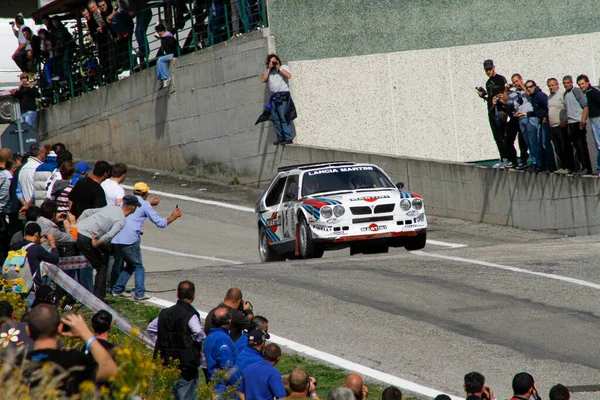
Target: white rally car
{"x": 307, "y": 209}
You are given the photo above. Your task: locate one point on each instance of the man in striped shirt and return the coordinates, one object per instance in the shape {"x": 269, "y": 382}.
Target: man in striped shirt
{"x": 62, "y": 188}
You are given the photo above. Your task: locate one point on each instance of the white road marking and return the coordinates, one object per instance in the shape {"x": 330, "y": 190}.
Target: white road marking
{"x": 574, "y": 281}
{"x": 446, "y": 244}
{"x": 337, "y": 361}
{"x": 187, "y": 198}
{"x": 176, "y": 253}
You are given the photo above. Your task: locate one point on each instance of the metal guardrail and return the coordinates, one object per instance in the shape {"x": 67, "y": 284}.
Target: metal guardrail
{"x": 90, "y": 61}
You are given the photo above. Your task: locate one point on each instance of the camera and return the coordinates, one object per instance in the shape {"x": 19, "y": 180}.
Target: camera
{"x": 482, "y": 90}
{"x": 64, "y": 216}
{"x": 12, "y": 22}
{"x": 241, "y": 306}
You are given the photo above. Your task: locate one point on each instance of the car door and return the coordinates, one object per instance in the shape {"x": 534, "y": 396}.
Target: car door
{"x": 270, "y": 217}
{"x": 287, "y": 210}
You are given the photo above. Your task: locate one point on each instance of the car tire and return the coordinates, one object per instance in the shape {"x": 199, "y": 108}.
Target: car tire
{"x": 6, "y": 105}
{"x": 267, "y": 254}
{"x": 416, "y": 242}
{"x": 308, "y": 248}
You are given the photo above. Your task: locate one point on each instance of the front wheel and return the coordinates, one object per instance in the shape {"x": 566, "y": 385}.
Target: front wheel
{"x": 416, "y": 242}
{"x": 308, "y": 248}
{"x": 267, "y": 254}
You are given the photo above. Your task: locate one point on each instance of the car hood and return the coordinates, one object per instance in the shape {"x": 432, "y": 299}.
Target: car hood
{"x": 353, "y": 197}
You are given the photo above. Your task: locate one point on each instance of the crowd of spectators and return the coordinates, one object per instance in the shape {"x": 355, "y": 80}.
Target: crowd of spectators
{"x": 98, "y": 53}
{"x": 54, "y": 208}
{"x": 551, "y": 129}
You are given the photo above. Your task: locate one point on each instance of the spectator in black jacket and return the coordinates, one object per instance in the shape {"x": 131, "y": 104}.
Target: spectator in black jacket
{"x": 539, "y": 101}
{"x": 64, "y": 44}
{"x": 593, "y": 99}
{"x": 168, "y": 45}
{"x": 26, "y": 94}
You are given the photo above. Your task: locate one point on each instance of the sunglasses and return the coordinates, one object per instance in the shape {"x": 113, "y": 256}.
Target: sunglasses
{"x": 529, "y": 87}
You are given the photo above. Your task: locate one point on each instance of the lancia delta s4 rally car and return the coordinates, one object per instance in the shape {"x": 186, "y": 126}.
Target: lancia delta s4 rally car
{"x": 307, "y": 209}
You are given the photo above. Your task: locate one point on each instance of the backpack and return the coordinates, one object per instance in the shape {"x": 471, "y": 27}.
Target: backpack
{"x": 16, "y": 273}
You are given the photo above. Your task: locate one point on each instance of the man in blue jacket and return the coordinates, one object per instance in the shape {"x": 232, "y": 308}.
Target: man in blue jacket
{"x": 251, "y": 354}
{"x": 218, "y": 347}
{"x": 539, "y": 101}
{"x": 593, "y": 99}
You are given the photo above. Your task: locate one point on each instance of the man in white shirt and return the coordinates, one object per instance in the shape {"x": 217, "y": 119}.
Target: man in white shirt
{"x": 20, "y": 54}
{"x": 281, "y": 103}
{"x": 25, "y": 189}
{"x": 112, "y": 186}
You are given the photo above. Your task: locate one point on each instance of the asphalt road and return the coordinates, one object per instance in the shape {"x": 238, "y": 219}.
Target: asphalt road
{"x": 510, "y": 301}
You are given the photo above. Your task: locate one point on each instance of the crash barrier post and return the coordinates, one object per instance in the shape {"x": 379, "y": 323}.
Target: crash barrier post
{"x": 86, "y": 298}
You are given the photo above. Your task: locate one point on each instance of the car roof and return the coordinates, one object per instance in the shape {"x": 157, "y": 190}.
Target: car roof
{"x": 312, "y": 166}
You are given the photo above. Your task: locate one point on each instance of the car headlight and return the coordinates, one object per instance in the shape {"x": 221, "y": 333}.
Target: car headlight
{"x": 326, "y": 212}
{"x": 338, "y": 211}
{"x": 405, "y": 204}
{"x": 417, "y": 203}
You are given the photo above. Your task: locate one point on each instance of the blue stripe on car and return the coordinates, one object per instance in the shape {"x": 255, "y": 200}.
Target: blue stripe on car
{"x": 270, "y": 233}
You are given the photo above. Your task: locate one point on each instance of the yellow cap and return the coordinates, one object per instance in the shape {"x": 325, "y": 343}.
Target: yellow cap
{"x": 141, "y": 187}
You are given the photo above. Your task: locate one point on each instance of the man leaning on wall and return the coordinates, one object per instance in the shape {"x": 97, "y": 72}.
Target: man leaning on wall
{"x": 280, "y": 103}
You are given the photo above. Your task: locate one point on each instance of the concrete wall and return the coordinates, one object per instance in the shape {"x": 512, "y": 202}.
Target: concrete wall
{"x": 548, "y": 202}
{"x": 423, "y": 103}
{"x": 204, "y": 120}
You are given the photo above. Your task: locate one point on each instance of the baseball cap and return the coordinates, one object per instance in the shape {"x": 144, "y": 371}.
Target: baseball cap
{"x": 256, "y": 337}
{"x": 141, "y": 187}
{"x": 487, "y": 64}
{"x": 82, "y": 167}
{"x": 131, "y": 200}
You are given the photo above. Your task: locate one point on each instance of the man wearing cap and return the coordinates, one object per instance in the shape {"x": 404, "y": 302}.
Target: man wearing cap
{"x": 256, "y": 323}
{"x": 95, "y": 228}
{"x": 494, "y": 86}
{"x": 251, "y": 354}
{"x": 126, "y": 245}
{"x": 81, "y": 171}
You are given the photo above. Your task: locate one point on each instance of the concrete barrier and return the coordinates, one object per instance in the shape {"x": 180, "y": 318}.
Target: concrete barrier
{"x": 547, "y": 202}
{"x": 202, "y": 124}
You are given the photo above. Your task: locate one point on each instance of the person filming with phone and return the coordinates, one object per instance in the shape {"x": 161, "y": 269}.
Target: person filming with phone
{"x": 46, "y": 327}
{"x": 126, "y": 245}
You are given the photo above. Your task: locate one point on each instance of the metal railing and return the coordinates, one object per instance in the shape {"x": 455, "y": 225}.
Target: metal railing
{"x": 92, "y": 60}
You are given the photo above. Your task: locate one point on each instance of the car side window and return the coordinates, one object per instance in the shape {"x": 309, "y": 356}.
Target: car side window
{"x": 291, "y": 189}
{"x": 274, "y": 195}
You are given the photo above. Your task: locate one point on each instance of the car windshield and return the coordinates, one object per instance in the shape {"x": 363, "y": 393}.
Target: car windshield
{"x": 343, "y": 179}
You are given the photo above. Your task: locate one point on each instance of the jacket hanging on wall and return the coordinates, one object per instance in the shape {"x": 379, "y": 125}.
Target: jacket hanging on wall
{"x": 290, "y": 111}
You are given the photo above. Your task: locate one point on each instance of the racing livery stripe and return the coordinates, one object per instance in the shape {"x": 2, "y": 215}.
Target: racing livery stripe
{"x": 270, "y": 233}
{"x": 328, "y": 201}
{"x": 312, "y": 210}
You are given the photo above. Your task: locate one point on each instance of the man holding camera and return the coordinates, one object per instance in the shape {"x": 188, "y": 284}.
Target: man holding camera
{"x": 494, "y": 86}
{"x": 27, "y": 94}
{"x": 241, "y": 313}
{"x": 46, "y": 328}
{"x": 524, "y": 387}
{"x": 475, "y": 387}
{"x": 280, "y": 102}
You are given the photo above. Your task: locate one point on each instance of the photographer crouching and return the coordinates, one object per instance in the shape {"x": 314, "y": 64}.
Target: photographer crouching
{"x": 494, "y": 86}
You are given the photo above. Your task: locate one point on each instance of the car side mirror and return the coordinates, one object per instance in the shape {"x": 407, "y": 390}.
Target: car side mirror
{"x": 400, "y": 185}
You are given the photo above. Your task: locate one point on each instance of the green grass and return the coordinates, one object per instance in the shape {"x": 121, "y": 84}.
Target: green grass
{"x": 327, "y": 377}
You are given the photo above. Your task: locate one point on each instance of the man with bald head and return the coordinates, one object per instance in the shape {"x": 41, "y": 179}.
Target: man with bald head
{"x": 179, "y": 336}
{"x": 355, "y": 382}
{"x": 218, "y": 346}
{"x": 302, "y": 386}
{"x": 241, "y": 313}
